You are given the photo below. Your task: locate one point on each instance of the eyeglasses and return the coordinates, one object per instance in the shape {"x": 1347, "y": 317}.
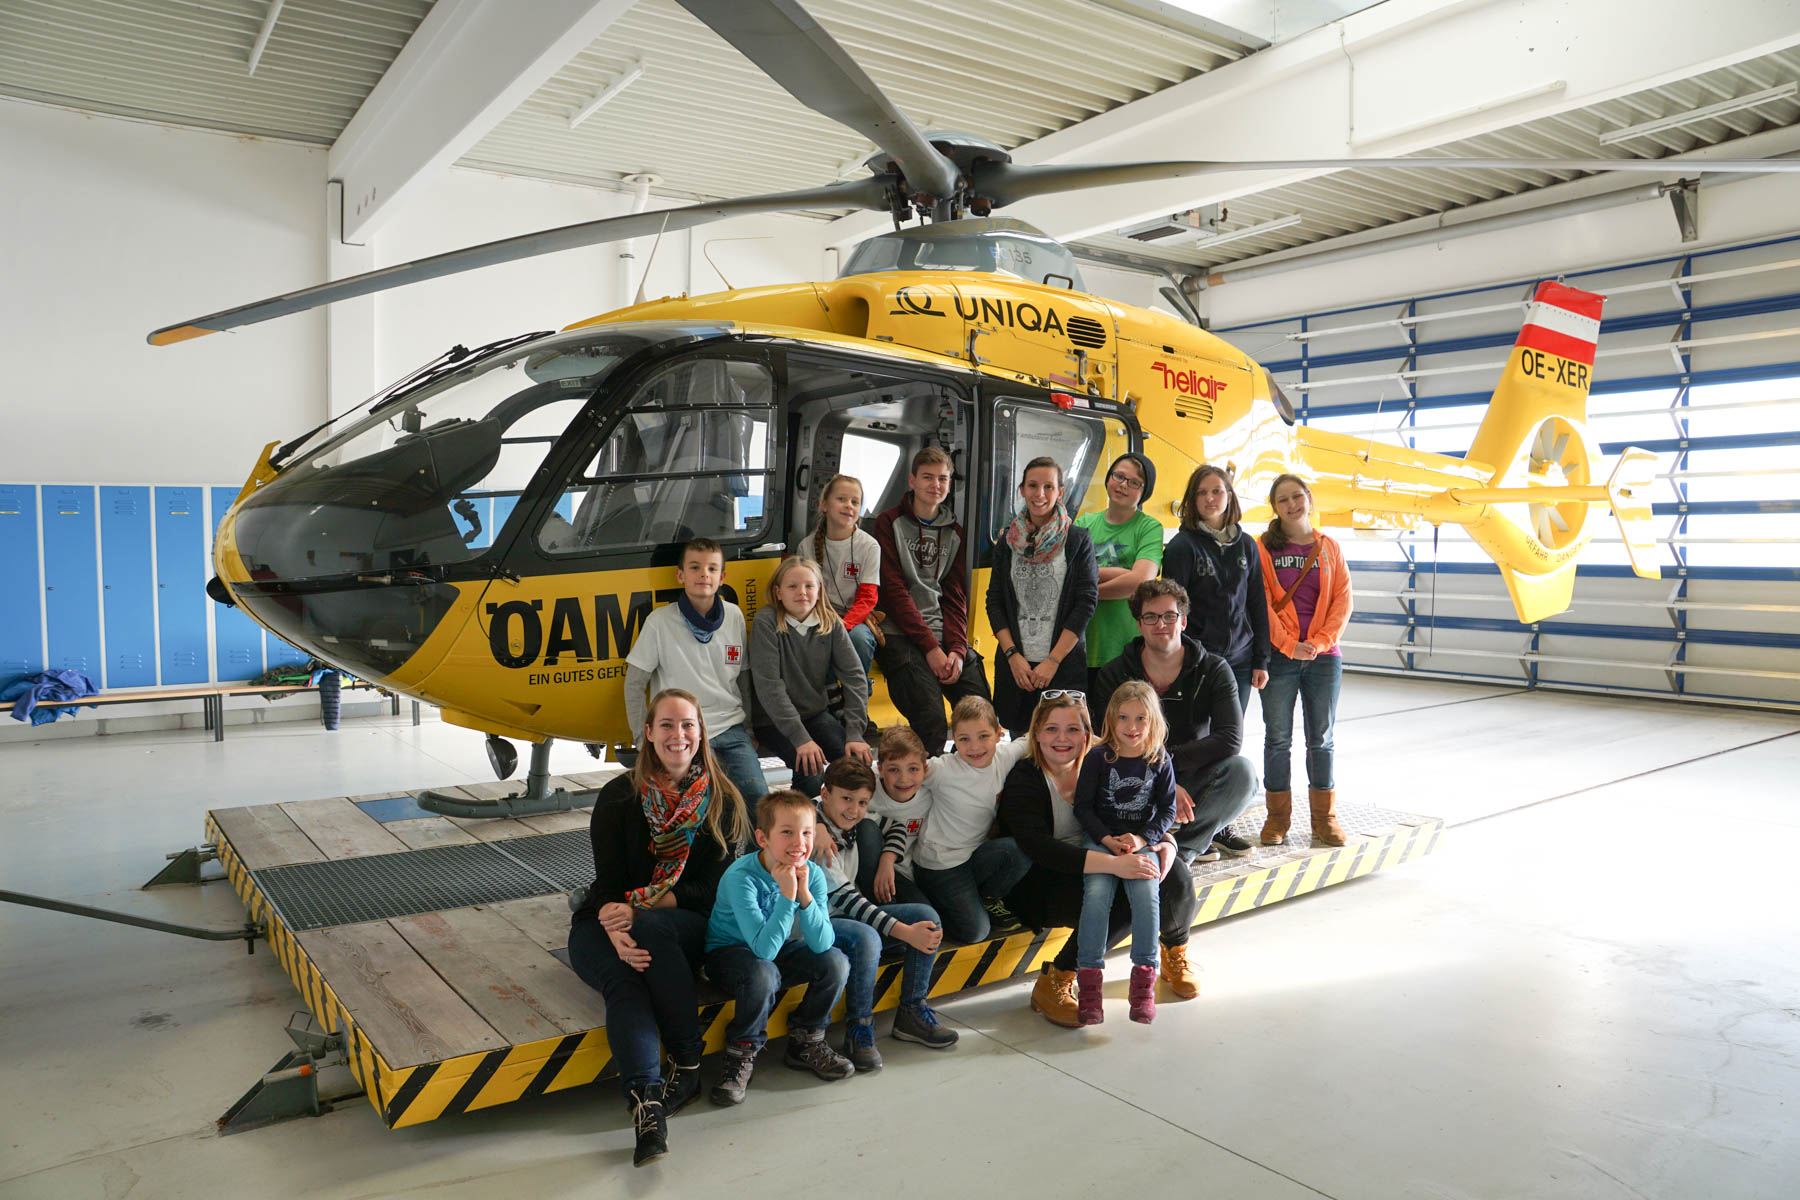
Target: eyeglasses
{"x": 1063, "y": 693}
{"x": 1168, "y": 618}
{"x": 1124, "y": 480}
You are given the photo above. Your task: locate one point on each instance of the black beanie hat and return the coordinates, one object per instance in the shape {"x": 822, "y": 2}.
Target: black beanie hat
{"x": 1143, "y": 464}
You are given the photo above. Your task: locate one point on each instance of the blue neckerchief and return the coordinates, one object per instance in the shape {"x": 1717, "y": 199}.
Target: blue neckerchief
{"x": 701, "y": 627}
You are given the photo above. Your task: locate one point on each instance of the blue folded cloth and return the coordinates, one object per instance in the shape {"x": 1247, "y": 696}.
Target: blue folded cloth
{"x": 27, "y": 692}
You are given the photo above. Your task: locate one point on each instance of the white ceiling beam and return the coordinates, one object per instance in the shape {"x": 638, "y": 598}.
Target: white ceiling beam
{"x": 466, "y": 68}
{"x": 1477, "y": 65}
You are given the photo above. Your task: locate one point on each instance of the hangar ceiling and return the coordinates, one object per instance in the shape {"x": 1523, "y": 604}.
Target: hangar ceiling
{"x": 710, "y": 125}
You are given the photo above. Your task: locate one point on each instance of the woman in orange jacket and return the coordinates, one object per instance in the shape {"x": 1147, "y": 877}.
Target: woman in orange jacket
{"x": 1308, "y": 589}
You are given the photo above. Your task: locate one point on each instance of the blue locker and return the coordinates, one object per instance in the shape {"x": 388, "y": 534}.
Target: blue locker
{"x": 21, "y": 598}
{"x": 237, "y": 640}
{"x": 566, "y": 507}
{"x": 503, "y": 509}
{"x": 71, "y": 580}
{"x": 283, "y": 654}
{"x": 181, "y": 575}
{"x": 127, "y": 587}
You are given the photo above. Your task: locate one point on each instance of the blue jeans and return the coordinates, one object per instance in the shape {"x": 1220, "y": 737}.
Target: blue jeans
{"x": 863, "y": 638}
{"x": 956, "y": 892}
{"x": 1245, "y": 691}
{"x": 756, "y": 983}
{"x": 824, "y": 728}
{"x": 862, "y": 945}
{"x": 1316, "y": 682}
{"x": 738, "y": 759}
{"x": 641, "y": 1004}
{"x": 1096, "y": 906}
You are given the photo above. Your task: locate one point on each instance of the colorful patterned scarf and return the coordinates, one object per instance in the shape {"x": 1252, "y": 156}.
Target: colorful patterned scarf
{"x": 1041, "y": 543}
{"x": 675, "y": 815}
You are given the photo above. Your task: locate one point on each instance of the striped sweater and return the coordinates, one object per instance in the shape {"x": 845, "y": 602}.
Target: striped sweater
{"x": 844, "y": 900}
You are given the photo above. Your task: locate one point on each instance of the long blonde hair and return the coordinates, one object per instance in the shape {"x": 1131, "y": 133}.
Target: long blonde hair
{"x": 1143, "y": 693}
{"x": 828, "y": 618}
{"x": 726, "y": 817}
{"x": 818, "y": 533}
{"x": 1041, "y": 714}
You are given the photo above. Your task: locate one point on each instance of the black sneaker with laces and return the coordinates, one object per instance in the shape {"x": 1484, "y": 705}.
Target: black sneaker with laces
{"x": 650, "y": 1124}
{"x": 734, "y": 1075}
{"x": 859, "y": 1046}
{"x": 807, "y": 1051}
{"x": 680, "y": 1086}
{"x": 1231, "y": 843}
{"x": 1001, "y": 922}
{"x": 919, "y": 1023}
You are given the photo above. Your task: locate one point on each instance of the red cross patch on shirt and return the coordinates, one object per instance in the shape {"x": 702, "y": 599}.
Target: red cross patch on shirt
{"x": 850, "y": 571}
{"x": 733, "y": 653}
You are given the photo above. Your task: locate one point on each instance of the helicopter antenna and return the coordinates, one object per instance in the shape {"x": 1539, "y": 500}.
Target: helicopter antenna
{"x": 650, "y": 262}
{"x": 706, "y": 252}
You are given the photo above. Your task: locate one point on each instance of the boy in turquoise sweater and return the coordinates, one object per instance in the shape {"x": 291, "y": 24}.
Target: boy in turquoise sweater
{"x": 771, "y": 929}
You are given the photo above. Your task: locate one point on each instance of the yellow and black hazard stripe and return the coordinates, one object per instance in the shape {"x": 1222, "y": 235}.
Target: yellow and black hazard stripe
{"x": 414, "y": 1095}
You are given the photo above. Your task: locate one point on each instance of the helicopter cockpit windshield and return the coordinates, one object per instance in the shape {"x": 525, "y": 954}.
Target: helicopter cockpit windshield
{"x": 425, "y": 478}
{"x": 998, "y": 245}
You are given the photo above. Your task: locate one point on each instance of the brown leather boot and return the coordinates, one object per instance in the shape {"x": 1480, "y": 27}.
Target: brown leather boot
{"x": 1281, "y": 813}
{"x": 1178, "y": 973}
{"x": 1054, "y": 997}
{"x": 1325, "y": 827}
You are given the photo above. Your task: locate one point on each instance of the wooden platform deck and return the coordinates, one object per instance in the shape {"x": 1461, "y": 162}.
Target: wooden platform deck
{"x": 450, "y": 1011}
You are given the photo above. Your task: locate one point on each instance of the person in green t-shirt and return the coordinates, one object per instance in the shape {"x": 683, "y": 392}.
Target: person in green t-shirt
{"x": 1128, "y": 545}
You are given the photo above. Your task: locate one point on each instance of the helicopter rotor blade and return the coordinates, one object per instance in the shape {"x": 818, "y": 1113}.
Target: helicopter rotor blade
{"x": 864, "y": 193}
{"x": 1008, "y": 183}
{"x": 795, "y": 51}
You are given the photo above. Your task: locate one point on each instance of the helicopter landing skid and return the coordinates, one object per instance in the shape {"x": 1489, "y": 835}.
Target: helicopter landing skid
{"x": 538, "y": 796}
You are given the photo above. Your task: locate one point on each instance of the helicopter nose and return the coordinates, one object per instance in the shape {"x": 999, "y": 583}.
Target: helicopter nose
{"x": 368, "y": 622}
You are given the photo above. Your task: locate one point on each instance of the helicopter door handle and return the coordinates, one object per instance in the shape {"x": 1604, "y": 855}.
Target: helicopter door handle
{"x": 769, "y": 548}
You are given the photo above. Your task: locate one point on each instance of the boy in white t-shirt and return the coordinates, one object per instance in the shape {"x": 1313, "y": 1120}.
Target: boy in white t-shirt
{"x": 698, "y": 644}
{"x": 964, "y": 873}
{"x": 901, "y": 804}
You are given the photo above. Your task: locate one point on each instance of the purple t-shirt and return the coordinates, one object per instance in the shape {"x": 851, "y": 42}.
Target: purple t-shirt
{"x": 1288, "y": 563}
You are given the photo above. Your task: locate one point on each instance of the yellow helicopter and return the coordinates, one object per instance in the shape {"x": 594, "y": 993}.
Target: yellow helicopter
{"x": 489, "y": 534}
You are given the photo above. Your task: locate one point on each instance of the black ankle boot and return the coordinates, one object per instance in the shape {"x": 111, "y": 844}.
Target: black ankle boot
{"x": 651, "y": 1124}
{"x": 680, "y": 1086}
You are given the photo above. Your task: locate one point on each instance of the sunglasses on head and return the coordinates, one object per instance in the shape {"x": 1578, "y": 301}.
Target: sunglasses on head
{"x": 1062, "y": 693}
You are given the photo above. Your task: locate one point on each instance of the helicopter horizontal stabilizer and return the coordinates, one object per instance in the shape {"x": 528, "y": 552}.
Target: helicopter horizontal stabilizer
{"x": 1628, "y": 491}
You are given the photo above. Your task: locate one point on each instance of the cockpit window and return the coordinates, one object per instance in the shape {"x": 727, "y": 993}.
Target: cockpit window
{"x": 996, "y": 246}
{"x": 689, "y": 457}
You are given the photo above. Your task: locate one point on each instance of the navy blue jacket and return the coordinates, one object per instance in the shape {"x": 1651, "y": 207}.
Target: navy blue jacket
{"x": 1228, "y": 609}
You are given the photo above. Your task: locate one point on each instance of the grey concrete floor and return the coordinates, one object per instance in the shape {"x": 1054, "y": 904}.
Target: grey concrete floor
{"x": 1590, "y": 990}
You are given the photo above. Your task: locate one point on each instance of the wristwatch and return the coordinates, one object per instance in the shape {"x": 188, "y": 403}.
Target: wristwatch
{"x": 1008, "y": 651}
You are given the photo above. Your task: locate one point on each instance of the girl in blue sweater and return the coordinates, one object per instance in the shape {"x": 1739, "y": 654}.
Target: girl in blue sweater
{"x": 1125, "y": 802}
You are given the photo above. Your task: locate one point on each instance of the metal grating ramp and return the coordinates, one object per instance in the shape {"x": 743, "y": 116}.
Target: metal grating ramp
{"x": 376, "y": 887}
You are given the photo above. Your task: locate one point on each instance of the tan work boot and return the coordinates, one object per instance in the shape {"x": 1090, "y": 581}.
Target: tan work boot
{"x": 1054, "y": 996}
{"x": 1281, "y": 813}
{"x": 1176, "y": 972}
{"x": 1325, "y": 827}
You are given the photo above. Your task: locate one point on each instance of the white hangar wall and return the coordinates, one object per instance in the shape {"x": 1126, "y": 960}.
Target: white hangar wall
{"x": 114, "y": 227}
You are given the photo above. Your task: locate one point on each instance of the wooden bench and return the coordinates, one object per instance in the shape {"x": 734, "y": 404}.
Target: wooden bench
{"x": 212, "y": 698}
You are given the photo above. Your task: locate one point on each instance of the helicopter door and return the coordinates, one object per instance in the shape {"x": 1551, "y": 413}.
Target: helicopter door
{"x": 1082, "y": 441}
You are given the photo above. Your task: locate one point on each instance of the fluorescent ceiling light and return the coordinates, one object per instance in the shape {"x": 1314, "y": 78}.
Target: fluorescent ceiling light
{"x": 1663, "y": 124}
{"x": 606, "y": 94}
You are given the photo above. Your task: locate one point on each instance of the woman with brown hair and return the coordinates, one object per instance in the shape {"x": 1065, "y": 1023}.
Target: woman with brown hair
{"x": 662, "y": 835}
{"x": 1037, "y": 808}
{"x": 1215, "y": 561}
{"x": 1041, "y": 594}
{"x": 1307, "y": 587}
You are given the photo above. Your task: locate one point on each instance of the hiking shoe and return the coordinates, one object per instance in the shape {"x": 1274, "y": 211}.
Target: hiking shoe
{"x": 1001, "y": 922}
{"x": 919, "y": 1023}
{"x": 734, "y": 1077}
{"x": 651, "y": 1124}
{"x": 1231, "y": 843}
{"x": 807, "y": 1051}
{"x": 859, "y": 1046}
{"x": 680, "y": 1086}
{"x": 1178, "y": 973}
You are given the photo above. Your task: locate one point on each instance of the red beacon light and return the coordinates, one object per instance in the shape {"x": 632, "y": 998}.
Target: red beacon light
{"x": 1062, "y": 399}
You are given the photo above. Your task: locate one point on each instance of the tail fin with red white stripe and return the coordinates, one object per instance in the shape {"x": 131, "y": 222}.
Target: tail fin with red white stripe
{"x": 1547, "y": 375}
